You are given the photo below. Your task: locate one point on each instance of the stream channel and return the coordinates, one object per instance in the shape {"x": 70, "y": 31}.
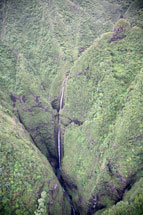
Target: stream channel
{"x": 58, "y": 170}
{"x": 73, "y": 211}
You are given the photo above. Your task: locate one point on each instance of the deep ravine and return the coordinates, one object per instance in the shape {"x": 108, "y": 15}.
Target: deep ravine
{"x": 14, "y": 99}
{"x": 73, "y": 211}
{"x": 59, "y": 129}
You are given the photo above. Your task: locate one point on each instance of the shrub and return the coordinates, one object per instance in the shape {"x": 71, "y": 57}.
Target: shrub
{"x": 127, "y": 208}
{"x": 42, "y": 204}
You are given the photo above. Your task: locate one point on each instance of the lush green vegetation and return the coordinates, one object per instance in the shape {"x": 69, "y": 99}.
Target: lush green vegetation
{"x": 104, "y": 91}
{"x": 98, "y": 46}
{"x": 125, "y": 207}
{"x": 24, "y": 171}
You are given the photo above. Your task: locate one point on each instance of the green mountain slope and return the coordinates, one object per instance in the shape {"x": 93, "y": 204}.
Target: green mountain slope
{"x": 45, "y": 38}
{"x": 96, "y": 46}
{"x": 104, "y": 91}
{"x": 27, "y": 181}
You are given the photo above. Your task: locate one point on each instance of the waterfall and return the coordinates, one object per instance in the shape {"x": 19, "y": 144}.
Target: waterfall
{"x": 59, "y": 145}
{"x": 73, "y": 212}
{"x": 59, "y": 129}
{"x": 62, "y": 95}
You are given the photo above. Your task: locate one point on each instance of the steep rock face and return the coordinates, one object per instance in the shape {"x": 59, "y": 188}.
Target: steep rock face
{"x": 25, "y": 174}
{"x": 103, "y": 157}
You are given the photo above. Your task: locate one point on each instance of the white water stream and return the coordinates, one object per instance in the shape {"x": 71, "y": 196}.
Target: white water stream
{"x": 59, "y": 129}
{"x": 59, "y": 144}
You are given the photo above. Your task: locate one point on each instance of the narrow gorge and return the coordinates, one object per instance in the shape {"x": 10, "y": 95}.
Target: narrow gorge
{"x": 59, "y": 126}
{"x": 59, "y": 145}
{"x": 71, "y": 107}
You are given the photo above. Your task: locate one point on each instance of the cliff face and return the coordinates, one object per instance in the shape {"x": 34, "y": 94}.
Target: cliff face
{"x": 103, "y": 156}
{"x": 27, "y": 182}
{"x": 96, "y": 46}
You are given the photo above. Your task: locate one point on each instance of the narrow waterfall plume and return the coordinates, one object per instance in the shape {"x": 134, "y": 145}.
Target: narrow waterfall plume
{"x": 59, "y": 146}
{"x": 59, "y": 129}
{"x": 73, "y": 212}
{"x": 62, "y": 94}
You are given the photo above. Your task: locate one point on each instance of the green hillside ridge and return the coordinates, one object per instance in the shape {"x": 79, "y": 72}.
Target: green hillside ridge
{"x": 98, "y": 47}
{"x": 107, "y": 97}
{"x": 26, "y": 176}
